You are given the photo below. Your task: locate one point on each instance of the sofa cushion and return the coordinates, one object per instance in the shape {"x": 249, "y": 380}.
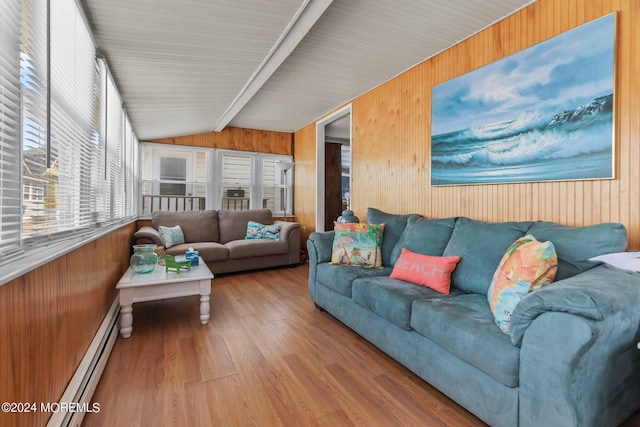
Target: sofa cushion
{"x": 526, "y": 266}
{"x": 464, "y": 326}
{"x": 197, "y": 226}
{"x": 394, "y": 225}
{"x": 357, "y": 244}
{"x": 233, "y": 224}
{"x": 424, "y": 236}
{"x": 339, "y": 278}
{"x": 391, "y": 299}
{"x": 209, "y": 251}
{"x": 480, "y": 246}
{"x": 575, "y": 245}
{"x": 431, "y": 271}
{"x": 256, "y": 247}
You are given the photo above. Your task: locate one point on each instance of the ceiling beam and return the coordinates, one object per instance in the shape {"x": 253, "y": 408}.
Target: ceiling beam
{"x": 304, "y": 19}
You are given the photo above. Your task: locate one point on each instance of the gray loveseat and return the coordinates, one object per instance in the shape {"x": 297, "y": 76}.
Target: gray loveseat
{"x": 219, "y": 236}
{"x": 571, "y": 356}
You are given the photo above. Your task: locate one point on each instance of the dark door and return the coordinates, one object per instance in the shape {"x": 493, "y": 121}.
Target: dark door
{"x": 332, "y": 184}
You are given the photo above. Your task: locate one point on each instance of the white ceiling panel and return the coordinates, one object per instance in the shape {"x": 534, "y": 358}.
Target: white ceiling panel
{"x": 186, "y": 67}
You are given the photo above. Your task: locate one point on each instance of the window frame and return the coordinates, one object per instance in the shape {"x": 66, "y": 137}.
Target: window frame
{"x": 215, "y": 182}
{"x": 150, "y": 174}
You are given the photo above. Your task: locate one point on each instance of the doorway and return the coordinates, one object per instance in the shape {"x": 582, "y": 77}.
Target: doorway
{"x": 333, "y": 167}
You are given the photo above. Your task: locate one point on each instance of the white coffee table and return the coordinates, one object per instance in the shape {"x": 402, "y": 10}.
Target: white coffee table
{"x": 158, "y": 284}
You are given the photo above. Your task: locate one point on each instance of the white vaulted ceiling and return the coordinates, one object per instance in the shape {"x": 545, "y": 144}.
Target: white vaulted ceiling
{"x": 193, "y": 66}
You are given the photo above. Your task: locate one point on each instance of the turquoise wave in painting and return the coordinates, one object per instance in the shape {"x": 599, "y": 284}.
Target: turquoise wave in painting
{"x": 535, "y": 146}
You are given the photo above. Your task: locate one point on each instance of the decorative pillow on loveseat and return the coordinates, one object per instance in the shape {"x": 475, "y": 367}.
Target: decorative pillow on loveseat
{"x": 527, "y": 265}
{"x": 357, "y": 244}
{"x": 171, "y": 236}
{"x": 255, "y": 230}
{"x": 431, "y": 271}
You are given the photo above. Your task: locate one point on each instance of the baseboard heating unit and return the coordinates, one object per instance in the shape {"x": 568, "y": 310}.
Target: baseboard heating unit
{"x": 76, "y": 399}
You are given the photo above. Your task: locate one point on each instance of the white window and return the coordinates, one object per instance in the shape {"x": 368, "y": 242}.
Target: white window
{"x": 237, "y": 181}
{"x": 172, "y": 178}
{"x": 278, "y": 184}
{"x": 179, "y": 178}
{"x": 271, "y": 180}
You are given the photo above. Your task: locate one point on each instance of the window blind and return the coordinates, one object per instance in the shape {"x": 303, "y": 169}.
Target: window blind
{"x": 67, "y": 148}
{"x": 34, "y": 78}
{"x": 75, "y": 82}
{"x": 131, "y": 148}
{"x": 115, "y": 150}
{"x": 10, "y": 200}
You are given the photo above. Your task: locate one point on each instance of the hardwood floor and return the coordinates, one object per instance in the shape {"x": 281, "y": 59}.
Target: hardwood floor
{"x": 266, "y": 358}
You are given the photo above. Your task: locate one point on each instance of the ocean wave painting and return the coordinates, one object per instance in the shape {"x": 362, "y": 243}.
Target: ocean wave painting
{"x": 542, "y": 114}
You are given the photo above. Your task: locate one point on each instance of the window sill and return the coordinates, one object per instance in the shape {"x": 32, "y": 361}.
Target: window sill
{"x": 37, "y": 257}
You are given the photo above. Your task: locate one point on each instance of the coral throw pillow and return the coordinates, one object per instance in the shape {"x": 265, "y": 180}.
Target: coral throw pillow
{"x": 527, "y": 265}
{"x": 431, "y": 271}
{"x": 357, "y": 244}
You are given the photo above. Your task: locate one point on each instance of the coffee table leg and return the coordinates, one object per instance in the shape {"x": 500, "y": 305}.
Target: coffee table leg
{"x": 126, "y": 320}
{"x": 126, "y": 312}
{"x": 205, "y": 292}
{"x": 204, "y": 309}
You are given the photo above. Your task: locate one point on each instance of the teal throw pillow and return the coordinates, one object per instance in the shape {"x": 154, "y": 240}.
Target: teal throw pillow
{"x": 171, "y": 236}
{"x": 255, "y": 230}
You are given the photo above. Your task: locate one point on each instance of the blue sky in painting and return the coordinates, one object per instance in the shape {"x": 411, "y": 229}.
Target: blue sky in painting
{"x": 558, "y": 74}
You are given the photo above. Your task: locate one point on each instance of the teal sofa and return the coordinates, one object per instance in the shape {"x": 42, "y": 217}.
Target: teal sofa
{"x": 571, "y": 357}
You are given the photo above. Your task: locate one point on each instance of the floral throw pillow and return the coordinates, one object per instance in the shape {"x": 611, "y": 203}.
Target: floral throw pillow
{"x": 527, "y": 265}
{"x": 171, "y": 236}
{"x": 357, "y": 244}
{"x": 255, "y": 230}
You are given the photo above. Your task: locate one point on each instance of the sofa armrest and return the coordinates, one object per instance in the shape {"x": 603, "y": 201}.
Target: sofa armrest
{"x": 579, "y": 364}
{"x": 290, "y": 233}
{"x": 147, "y": 235}
{"x": 319, "y": 246}
{"x": 594, "y": 294}
{"x": 576, "y": 371}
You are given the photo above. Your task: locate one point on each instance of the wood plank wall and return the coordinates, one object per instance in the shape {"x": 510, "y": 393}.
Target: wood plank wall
{"x": 391, "y": 134}
{"x": 230, "y": 138}
{"x": 48, "y": 318}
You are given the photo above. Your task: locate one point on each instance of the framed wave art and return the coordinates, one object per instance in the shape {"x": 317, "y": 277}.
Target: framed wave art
{"x": 542, "y": 114}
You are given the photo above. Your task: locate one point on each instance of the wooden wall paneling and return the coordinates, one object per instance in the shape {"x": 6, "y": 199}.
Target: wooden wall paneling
{"x": 233, "y": 138}
{"x": 48, "y": 318}
{"x": 631, "y": 115}
{"x": 305, "y": 180}
{"x": 392, "y": 134}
